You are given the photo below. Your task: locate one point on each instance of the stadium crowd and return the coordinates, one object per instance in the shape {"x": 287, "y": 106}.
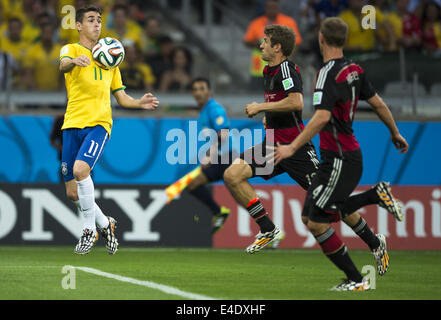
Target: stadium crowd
{"x": 32, "y": 35}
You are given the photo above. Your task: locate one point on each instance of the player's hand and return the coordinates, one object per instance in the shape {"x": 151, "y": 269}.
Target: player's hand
{"x": 252, "y": 109}
{"x": 81, "y": 61}
{"x": 282, "y": 152}
{"x": 148, "y": 102}
{"x": 400, "y": 143}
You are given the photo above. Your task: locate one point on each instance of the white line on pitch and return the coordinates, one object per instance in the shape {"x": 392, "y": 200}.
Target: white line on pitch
{"x": 148, "y": 284}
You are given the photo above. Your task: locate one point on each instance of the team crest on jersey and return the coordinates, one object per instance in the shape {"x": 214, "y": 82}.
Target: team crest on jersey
{"x": 64, "y": 51}
{"x": 288, "y": 83}
{"x": 317, "y": 99}
{"x": 219, "y": 120}
{"x": 64, "y": 168}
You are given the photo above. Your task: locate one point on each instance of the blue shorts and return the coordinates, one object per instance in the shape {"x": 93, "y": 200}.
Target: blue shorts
{"x": 82, "y": 144}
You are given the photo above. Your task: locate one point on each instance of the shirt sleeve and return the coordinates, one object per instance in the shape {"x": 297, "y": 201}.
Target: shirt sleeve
{"x": 219, "y": 119}
{"x": 67, "y": 51}
{"x": 367, "y": 91}
{"x": 117, "y": 84}
{"x": 291, "y": 79}
{"x": 325, "y": 94}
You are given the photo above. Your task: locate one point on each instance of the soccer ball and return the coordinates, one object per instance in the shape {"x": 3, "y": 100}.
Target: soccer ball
{"x": 108, "y": 53}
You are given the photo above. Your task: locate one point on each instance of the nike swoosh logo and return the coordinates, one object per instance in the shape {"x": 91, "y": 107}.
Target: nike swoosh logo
{"x": 87, "y": 156}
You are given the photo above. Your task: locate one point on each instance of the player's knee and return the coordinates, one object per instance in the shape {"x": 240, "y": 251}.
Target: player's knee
{"x": 81, "y": 171}
{"x": 233, "y": 176}
{"x": 317, "y": 228}
{"x": 305, "y": 220}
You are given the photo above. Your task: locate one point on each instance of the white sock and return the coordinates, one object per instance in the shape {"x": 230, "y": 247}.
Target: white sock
{"x": 101, "y": 220}
{"x": 77, "y": 203}
{"x": 86, "y": 195}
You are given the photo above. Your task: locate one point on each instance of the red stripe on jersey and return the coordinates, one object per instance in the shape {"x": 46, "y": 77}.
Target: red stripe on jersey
{"x": 342, "y": 110}
{"x": 347, "y": 141}
{"x": 274, "y": 96}
{"x": 286, "y": 135}
{"x": 271, "y": 73}
{"x": 347, "y": 71}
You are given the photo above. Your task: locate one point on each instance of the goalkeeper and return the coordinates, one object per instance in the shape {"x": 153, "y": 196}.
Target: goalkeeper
{"x": 212, "y": 116}
{"x": 87, "y": 125}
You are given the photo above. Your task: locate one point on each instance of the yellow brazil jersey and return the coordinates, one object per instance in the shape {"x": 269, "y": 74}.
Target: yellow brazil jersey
{"x": 17, "y": 49}
{"x": 88, "y": 91}
{"x": 45, "y": 66}
{"x": 357, "y": 36}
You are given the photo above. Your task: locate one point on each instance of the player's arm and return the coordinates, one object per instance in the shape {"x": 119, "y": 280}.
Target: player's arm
{"x": 293, "y": 102}
{"x": 320, "y": 118}
{"x": 147, "y": 101}
{"x": 68, "y": 63}
{"x": 385, "y": 115}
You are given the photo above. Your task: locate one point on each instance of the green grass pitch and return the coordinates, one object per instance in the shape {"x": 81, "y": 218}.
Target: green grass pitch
{"x": 35, "y": 272}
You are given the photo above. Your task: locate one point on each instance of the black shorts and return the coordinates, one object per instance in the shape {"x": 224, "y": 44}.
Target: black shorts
{"x": 301, "y": 166}
{"x": 215, "y": 171}
{"x": 334, "y": 182}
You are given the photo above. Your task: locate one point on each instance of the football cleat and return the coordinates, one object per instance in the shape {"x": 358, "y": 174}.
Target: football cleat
{"x": 387, "y": 201}
{"x": 349, "y": 285}
{"x": 263, "y": 240}
{"x": 279, "y": 238}
{"x": 380, "y": 255}
{"x": 109, "y": 237}
{"x": 220, "y": 218}
{"x": 86, "y": 242}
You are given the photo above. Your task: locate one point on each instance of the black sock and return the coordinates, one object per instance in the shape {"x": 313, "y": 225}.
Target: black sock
{"x": 336, "y": 251}
{"x": 342, "y": 260}
{"x": 353, "y": 203}
{"x": 362, "y": 229}
{"x": 259, "y": 214}
{"x": 203, "y": 195}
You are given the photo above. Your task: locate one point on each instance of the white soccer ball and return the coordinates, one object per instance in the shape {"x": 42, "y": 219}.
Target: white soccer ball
{"x": 108, "y": 53}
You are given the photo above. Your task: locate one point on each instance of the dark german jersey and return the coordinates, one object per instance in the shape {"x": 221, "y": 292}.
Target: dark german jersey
{"x": 279, "y": 81}
{"x": 340, "y": 84}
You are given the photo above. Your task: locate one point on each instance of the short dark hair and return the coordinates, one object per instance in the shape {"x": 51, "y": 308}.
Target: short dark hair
{"x": 121, "y": 6}
{"x": 282, "y": 35}
{"x": 79, "y": 16}
{"x": 201, "y": 79}
{"x": 15, "y": 19}
{"x": 335, "y": 31}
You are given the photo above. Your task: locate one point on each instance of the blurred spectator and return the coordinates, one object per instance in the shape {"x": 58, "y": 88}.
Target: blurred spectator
{"x": 122, "y": 28}
{"x": 135, "y": 13}
{"x": 432, "y": 28}
{"x": 33, "y": 10}
{"x": 13, "y": 9}
{"x": 136, "y": 75}
{"x": 330, "y": 8}
{"x": 8, "y": 67}
{"x": 13, "y": 42}
{"x": 152, "y": 28}
{"x": 178, "y": 78}
{"x": 359, "y": 38}
{"x": 163, "y": 61}
{"x": 3, "y": 19}
{"x": 42, "y": 62}
{"x": 384, "y": 32}
{"x": 406, "y": 26}
{"x": 255, "y": 34}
